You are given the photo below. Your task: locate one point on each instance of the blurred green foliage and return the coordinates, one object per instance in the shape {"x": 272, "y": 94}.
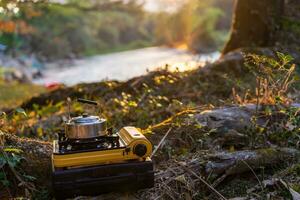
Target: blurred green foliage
{"x": 202, "y": 25}
{"x": 78, "y": 28}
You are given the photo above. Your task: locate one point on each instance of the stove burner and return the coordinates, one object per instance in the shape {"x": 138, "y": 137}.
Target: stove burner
{"x": 66, "y": 145}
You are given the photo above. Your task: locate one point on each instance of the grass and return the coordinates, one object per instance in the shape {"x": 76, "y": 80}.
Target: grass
{"x": 13, "y": 94}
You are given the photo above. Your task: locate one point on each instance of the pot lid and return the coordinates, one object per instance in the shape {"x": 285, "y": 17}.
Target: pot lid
{"x": 86, "y": 119}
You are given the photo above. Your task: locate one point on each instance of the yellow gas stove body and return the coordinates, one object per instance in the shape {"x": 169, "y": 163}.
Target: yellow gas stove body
{"x": 123, "y": 167}
{"x": 133, "y": 146}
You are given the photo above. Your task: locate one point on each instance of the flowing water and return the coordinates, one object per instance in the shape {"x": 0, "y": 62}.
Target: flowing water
{"x": 123, "y": 65}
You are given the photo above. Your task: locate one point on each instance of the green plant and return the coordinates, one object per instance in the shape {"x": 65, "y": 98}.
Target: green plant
{"x": 11, "y": 171}
{"x": 14, "y": 121}
{"x": 273, "y": 76}
{"x": 276, "y": 121}
{"x": 12, "y": 174}
{"x": 275, "y": 124}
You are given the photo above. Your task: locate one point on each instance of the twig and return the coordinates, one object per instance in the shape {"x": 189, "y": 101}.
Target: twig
{"x": 219, "y": 180}
{"x": 203, "y": 181}
{"x": 18, "y": 176}
{"x": 170, "y": 119}
{"x": 161, "y": 141}
{"x": 260, "y": 183}
{"x": 257, "y": 95}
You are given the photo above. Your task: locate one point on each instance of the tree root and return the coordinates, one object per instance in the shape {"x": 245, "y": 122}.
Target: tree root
{"x": 184, "y": 175}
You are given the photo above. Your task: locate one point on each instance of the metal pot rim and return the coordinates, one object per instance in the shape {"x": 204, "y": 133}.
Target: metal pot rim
{"x": 86, "y": 120}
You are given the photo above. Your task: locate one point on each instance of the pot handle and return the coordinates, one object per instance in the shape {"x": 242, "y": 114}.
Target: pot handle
{"x": 87, "y": 101}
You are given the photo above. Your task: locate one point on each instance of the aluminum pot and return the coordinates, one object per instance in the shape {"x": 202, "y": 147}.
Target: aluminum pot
{"x": 85, "y": 126}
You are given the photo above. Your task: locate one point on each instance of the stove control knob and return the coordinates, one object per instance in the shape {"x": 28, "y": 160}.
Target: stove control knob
{"x": 140, "y": 150}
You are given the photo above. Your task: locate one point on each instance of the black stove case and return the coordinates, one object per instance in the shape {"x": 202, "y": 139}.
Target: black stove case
{"x": 95, "y": 180}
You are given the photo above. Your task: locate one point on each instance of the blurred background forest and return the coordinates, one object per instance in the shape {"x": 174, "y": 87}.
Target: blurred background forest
{"x": 34, "y": 33}
{"x": 71, "y": 28}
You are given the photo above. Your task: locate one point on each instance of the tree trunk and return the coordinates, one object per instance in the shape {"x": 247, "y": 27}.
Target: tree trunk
{"x": 254, "y": 24}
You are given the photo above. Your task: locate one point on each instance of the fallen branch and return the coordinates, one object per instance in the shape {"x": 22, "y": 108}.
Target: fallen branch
{"x": 221, "y": 164}
{"x": 234, "y": 163}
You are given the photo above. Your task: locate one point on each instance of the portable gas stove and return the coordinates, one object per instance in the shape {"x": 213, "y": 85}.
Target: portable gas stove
{"x": 88, "y": 159}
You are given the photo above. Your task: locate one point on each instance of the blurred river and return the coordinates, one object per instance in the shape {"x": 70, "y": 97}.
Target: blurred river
{"x": 123, "y": 65}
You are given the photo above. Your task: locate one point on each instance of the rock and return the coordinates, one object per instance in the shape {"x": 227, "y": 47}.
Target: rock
{"x": 233, "y": 61}
{"x": 232, "y": 138}
{"x": 224, "y": 119}
{"x": 238, "y": 118}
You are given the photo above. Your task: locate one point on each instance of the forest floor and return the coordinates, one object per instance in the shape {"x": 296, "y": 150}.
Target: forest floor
{"x": 221, "y": 143}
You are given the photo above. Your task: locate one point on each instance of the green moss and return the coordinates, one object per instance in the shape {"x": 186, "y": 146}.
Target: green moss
{"x": 267, "y": 151}
{"x": 296, "y": 187}
{"x": 294, "y": 170}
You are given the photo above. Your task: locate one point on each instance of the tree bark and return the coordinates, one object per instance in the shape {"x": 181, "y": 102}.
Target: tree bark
{"x": 254, "y": 24}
